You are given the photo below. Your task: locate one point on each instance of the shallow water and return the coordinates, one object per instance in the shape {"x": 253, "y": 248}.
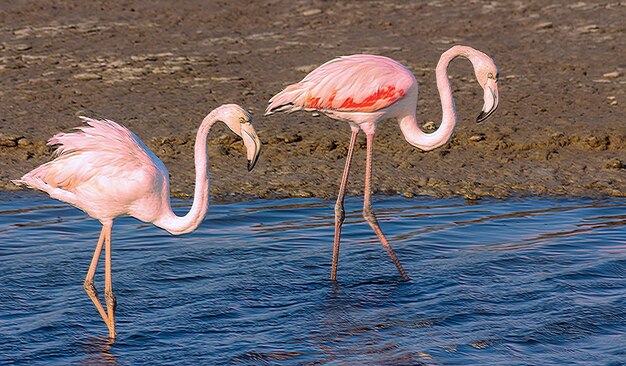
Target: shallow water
{"x": 514, "y": 282}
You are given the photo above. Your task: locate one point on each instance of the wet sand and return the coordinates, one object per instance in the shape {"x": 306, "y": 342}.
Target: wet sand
{"x": 159, "y": 68}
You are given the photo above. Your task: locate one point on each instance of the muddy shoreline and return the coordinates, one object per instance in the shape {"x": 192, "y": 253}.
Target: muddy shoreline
{"x": 159, "y": 68}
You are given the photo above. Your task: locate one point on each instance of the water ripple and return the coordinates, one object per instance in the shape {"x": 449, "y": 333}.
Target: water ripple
{"x": 520, "y": 281}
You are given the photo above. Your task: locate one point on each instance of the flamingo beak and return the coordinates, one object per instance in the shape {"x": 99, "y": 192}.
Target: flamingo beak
{"x": 252, "y": 143}
{"x": 491, "y": 100}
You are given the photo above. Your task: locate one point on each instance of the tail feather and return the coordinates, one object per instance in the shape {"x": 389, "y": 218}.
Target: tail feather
{"x": 280, "y": 108}
{"x": 35, "y": 179}
{"x": 291, "y": 99}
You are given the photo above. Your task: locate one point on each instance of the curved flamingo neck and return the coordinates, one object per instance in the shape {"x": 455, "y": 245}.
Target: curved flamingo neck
{"x": 408, "y": 124}
{"x": 188, "y": 223}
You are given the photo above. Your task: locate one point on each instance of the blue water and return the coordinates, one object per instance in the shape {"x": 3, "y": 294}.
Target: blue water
{"x": 514, "y": 282}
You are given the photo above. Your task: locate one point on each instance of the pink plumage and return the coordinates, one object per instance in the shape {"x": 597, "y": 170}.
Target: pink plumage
{"x": 357, "y": 83}
{"x": 102, "y": 168}
{"x": 365, "y": 90}
{"x": 107, "y": 171}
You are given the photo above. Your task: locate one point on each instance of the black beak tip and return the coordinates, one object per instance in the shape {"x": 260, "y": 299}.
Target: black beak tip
{"x": 481, "y": 117}
{"x": 252, "y": 163}
{"x": 485, "y": 115}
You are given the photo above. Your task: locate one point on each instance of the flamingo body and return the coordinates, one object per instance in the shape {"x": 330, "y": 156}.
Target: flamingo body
{"x": 357, "y": 83}
{"x": 105, "y": 170}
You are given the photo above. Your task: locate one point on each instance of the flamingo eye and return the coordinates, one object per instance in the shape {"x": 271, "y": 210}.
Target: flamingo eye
{"x": 490, "y": 76}
{"x": 243, "y": 120}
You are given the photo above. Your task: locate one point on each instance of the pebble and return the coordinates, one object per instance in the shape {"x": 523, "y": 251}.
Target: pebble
{"x": 311, "y": 12}
{"x": 591, "y": 28}
{"x": 471, "y": 196}
{"x": 612, "y": 75}
{"x": 477, "y": 137}
{"x": 429, "y": 126}
{"x": 87, "y": 76}
{"x": 614, "y": 164}
{"x": 544, "y": 25}
{"x": 23, "y": 47}
{"x": 23, "y": 142}
{"x": 303, "y": 194}
{"x": 117, "y": 63}
{"x": 22, "y": 32}
{"x": 8, "y": 140}
{"x": 166, "y": 69}
{"x": 225, "y": 78}
{"x": 138, "y": 58}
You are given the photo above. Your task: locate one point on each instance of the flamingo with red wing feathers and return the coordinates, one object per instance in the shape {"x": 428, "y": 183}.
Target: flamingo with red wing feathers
{"x": 364, "y": 90}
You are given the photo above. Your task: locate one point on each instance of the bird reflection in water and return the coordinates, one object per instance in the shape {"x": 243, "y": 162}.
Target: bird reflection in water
{"x": 98, "y": 352}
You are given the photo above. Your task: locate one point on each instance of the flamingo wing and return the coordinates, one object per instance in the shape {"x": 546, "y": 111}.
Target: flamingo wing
{"x": 357, "y": 83}
{"x": 93, "y": 157}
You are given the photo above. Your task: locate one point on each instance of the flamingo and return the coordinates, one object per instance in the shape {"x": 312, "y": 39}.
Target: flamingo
{"x": 105, "y": 170}
{"x": 364, "y": 90}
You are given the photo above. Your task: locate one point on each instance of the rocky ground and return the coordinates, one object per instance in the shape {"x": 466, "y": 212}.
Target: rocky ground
{"x": 159, "y": 67}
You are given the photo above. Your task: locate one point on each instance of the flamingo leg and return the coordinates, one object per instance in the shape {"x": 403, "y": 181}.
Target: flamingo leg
{"x": 339, "y": 211}
{"x": 89, "y": 286}
{"x": 368, "y": 212}
{"x": 108, "y": 284}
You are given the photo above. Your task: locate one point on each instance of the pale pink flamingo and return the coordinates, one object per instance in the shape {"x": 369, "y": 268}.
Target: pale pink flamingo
{"x": 364, "y": 90}
{"x": 105, "y": 170}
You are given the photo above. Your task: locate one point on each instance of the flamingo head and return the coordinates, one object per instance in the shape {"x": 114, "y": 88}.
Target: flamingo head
{"x": 239, "y": 121}
{"x": 487, "y": 76}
